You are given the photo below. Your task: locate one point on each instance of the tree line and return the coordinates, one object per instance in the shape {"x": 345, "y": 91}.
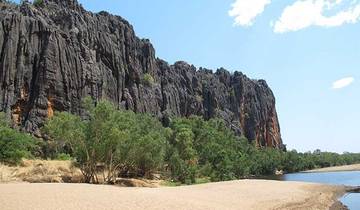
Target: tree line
{"x": 110, "y": 143}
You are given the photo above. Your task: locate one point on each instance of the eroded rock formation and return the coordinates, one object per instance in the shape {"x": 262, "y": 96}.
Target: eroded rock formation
{"x": 53, "y": 55}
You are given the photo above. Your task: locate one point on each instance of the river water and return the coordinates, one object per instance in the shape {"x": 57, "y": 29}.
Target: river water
{"x": 351, "y": 178}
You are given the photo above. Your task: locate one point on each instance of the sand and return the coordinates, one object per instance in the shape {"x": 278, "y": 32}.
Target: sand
{"x": 244, "y": 194}
{"x": 355, "y": 167}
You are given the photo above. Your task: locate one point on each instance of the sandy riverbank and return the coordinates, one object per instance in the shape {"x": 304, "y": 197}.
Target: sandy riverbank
{"x": 355, "y": 167}
{"x": 244, "y": 194}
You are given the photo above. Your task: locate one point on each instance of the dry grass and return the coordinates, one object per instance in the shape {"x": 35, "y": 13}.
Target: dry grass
{"x": 41, "y": 171}
{"x": 54, "y": 171}
{"x": 138, "y": 183}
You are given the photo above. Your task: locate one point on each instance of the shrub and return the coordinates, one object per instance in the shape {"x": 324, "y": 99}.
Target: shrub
{"x": 202, "y": 148}
{"x": 128, "y": 144}
{"x": 63, "y": 156}
{"x": 3, "y": 121}
{"x": 181, "y": 170}
{"x": 38, "y": 3}
{"x": 143, "y": 149}
{"x": 14, "y": 146}
{"x": 52, "y": 149}
{"x": 90, "y": 140}
{"x": 148, "y": 79}
{"x": 121, "y": 141}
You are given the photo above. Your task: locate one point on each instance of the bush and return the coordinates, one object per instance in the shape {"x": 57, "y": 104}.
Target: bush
{"x": 132, "y": 145}
{"x": 63, "y": 156}
{"x": 202, "y": 148}
{"x": 14, "y": 146}
{"x": 92, "y": 141}
{"x": 52, "y": 150}
{"x": 121, "y": 141}
{"x": 148, "y": 79}
{"x": 38, "y": 3}
{"x": 3, "y": 121}
{"x": 143, "y": 149}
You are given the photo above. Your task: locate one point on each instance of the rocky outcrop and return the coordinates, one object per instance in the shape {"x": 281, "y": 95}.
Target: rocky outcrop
{"x": 52, "y": 55}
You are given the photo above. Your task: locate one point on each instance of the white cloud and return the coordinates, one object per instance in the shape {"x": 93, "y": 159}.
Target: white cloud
{"x": 343, "y": 83}
{"x": 245, "y": 11}
{"x": 306, "y": 13}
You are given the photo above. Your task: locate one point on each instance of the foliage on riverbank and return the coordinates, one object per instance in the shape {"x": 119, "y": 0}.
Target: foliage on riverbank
{"x": 14, "y": 145}
{"x": 112, "y": 143}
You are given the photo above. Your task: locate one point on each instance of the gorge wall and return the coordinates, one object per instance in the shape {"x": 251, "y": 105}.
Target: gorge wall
{"x": 54, "y": 54}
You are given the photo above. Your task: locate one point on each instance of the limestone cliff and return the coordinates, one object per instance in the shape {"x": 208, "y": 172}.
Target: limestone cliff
{"x": 54, "y": 54}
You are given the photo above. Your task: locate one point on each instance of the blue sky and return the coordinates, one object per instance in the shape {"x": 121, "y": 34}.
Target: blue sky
{"x": 300, "y": 47}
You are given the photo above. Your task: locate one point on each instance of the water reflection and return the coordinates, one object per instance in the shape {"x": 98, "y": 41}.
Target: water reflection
{"x": 351, "y": 178}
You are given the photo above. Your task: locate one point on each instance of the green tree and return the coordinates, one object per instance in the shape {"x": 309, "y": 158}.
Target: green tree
{"x": 205, "y": 148}
{"x": 14, "y": 145}
{"x": 183, "y": 159}
{"x": 144, "y": 148}
{"x": 93, "y": 142}
{"x": 120, "y": 142}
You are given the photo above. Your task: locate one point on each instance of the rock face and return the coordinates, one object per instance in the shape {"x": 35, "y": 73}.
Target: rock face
{"x": 52, "y": 55}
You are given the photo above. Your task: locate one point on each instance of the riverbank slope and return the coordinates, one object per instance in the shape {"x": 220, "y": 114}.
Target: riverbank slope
{"x": 243, "y": 194}
{"x": 354, "y": 167}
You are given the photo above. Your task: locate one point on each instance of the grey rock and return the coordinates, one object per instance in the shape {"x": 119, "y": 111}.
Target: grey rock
{"x": 52, "y": 56}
